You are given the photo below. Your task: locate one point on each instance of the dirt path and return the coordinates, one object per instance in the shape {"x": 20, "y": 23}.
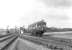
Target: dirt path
{"x": 8, "y": 43}
{"x": 21, "y": 44}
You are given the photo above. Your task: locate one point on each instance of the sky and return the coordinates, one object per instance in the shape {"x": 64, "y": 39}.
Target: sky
{"x": 57, "y": 13}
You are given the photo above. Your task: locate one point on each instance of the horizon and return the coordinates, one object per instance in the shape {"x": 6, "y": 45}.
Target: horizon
{"x": 57, "y": 13}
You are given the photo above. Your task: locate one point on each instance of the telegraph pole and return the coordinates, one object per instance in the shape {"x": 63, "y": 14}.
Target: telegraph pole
{"x": 7, "y": 31}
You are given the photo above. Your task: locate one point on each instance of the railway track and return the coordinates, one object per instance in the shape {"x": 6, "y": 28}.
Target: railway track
{"x": 6, "y": 38}
{"x": 6, "y": 47}
{"x": 2, "y": 36}
{"x": 9, "y": 39}
{"x": 50, "y": 42}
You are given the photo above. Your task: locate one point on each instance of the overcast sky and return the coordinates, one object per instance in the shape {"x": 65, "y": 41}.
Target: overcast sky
{"x": 57, "y": 13}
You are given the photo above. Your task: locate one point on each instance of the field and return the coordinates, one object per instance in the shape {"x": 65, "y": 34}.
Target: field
{"x": 66, "y": 35}
{"x": 53, "y": 41}
{"x": 12, "y": 41}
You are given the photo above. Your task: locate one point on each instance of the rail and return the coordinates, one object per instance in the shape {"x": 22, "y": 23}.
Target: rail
{"x": 49, "y": 42}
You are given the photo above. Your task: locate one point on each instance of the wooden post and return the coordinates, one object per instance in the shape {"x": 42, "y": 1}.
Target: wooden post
{"x": 7, "y": 31}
